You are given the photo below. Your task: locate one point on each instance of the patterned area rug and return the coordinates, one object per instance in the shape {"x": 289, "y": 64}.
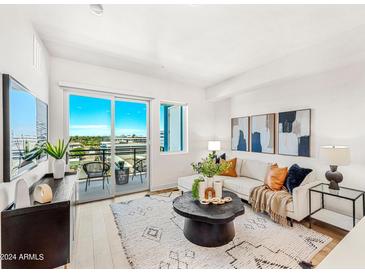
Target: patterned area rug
{"x": 152, "y": 237}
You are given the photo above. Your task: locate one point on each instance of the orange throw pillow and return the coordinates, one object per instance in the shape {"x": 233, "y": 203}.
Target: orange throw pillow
{"x": 231, "y": 171}
{"x": 276, "y": 177}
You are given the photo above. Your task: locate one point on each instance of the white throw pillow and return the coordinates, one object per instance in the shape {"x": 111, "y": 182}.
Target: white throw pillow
{"x": 239, "y": 166}
{"x": 255, "y": 169}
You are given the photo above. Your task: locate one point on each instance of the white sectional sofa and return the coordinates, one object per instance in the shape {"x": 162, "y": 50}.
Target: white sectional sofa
{"x": 252, "y": 173}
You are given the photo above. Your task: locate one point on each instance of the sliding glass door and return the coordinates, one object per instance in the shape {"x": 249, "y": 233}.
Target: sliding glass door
{"x": 131, "y": 146}
{"x": 109, "y": 147}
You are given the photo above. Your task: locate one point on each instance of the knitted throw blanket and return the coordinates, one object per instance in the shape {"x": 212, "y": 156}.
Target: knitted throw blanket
{"x": 263, "y": 199}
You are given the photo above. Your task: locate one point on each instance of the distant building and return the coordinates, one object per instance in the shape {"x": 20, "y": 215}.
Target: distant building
{"x": 125, "y": 141}
{"x": 74, "y": 145}
{"x": 22, "y": 144}
{"x": 162, "y": 138}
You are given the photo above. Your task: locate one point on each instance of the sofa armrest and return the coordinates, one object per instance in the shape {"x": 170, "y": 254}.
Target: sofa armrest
{"x": 301, "y": 200}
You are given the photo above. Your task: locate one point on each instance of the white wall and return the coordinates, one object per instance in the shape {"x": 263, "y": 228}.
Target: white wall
{"x": 164, "y": 168}
{"x": 338, "y": 51}
{"x": 337, "y": 100}
{"x": 16, "y": 59}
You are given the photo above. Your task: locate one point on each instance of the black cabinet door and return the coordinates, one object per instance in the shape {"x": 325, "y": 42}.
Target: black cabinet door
{"x": 36, "y": 237}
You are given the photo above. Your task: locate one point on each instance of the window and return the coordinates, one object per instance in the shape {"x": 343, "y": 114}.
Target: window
{"x": 172, "y": 127}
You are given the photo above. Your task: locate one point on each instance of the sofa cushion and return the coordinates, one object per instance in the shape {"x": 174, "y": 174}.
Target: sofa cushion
{"x": 187, "y": 182}
{"x": 275, "y": 178}
{"x": 254, "y": 169}
{"x": 241, "y": 185}
{"x": 296, "y": 176}
{"x": 238, "y": 166}
{"x": 231, "y": 170}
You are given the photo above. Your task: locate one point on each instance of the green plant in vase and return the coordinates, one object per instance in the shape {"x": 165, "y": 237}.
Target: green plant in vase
{"x": 195, "y": 188}
{"x": 208, "y": 167}
{"x": 57, "y": 151}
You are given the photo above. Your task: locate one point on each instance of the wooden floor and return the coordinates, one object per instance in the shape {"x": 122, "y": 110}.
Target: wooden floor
{"x": 97, "y": 243}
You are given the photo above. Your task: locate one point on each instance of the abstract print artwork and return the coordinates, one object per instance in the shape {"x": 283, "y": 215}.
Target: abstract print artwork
{"x": 294, "y": 133}
{"x": 240, "y": 133}
{"x": 263, "y": 133}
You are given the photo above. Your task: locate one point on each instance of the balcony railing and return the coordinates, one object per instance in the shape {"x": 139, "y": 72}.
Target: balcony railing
{"x": 129, "y": 155}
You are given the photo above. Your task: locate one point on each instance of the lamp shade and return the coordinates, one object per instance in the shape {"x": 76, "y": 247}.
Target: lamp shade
{"x": 214, "y": 145}
{"x": 335, "y": 155}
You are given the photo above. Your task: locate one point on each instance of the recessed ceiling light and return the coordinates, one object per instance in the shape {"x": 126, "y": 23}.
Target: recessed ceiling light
{"x": 97, "y": 9}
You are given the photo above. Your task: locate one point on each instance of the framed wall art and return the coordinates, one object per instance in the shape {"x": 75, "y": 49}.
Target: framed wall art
{"x": 294, "y": 132}
{"x": 240, "y": 133}
{"x": 263, "y": 133}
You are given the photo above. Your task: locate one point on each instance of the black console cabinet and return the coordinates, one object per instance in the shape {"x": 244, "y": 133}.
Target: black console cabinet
{"x": 40, "y": 236}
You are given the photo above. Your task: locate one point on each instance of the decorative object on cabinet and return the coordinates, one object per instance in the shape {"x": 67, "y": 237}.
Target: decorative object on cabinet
{"x": 294, "y": 132}
{"x": 58, "y": 152}
{"x": 240, "y": 133}
{"x": 263, "y": 133}
{"x": 42, "y": 194}
{"x": 22, "y": 194}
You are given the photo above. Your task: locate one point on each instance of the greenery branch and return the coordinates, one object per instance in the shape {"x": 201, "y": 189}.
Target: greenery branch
{"x": 195, "y": 188}
{"x": 208, "y": 167}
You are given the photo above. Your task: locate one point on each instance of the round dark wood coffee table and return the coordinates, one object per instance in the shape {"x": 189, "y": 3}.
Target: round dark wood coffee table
{"x": 208, "y": 225}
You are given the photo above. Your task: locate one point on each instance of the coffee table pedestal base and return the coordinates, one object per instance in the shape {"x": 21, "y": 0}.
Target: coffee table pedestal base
{"x": 208, "y": 235}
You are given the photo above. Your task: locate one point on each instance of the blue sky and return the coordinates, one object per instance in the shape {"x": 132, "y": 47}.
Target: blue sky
{"x": 161, "y": 119}
{"x": 91, "y": 117}
{"x": 23, "y": 113}
{"x": 130, "y": 118}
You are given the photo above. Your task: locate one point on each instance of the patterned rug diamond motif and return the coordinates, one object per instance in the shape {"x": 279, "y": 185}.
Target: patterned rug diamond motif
{"x": 152, "y": 237}
{"x": 152, "y": 233}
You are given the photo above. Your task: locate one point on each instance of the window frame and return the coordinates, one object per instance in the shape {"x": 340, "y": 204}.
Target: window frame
{"x": 185, "y": 127}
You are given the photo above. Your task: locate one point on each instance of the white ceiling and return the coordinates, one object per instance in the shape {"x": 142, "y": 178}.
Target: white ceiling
{"x": 196, "y": 44}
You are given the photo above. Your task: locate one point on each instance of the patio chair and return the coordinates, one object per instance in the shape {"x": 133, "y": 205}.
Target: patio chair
{"x": 96, "y": 170}
{"x": 140, "y": 167}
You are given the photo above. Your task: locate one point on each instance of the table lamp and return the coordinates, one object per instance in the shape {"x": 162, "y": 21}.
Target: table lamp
{"x": 214, "y": 146}
{"x": 335, "y": 156}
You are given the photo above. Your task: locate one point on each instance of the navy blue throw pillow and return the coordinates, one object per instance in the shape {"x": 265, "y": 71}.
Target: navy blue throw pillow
{"x": 295, "y": 177}
{"x": 218, "y": 159}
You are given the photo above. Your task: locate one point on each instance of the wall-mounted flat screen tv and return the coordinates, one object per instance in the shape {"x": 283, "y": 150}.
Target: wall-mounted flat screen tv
{"x": 25, "y": 121}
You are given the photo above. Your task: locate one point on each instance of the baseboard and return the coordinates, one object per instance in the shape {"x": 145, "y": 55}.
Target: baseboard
{"x": 162, "y": 187}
